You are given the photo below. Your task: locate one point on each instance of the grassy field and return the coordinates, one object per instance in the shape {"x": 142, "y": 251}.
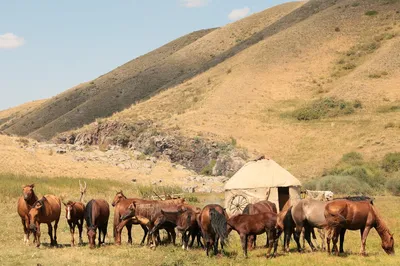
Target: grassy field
{"x": 14, "y": 252}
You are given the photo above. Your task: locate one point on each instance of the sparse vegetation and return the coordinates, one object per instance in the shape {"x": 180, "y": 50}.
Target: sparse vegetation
{"x": 325, "y": 107}
{"x": 346, "y": 185}
{"x": 371, "y": 13}
{"x": 148, "y": 191}
{"x": 207, "y": 170}
{"x": 391, "y": 162}
{"x": 393, "y": 185}
{"x": 388, "y": 108}
{"x": 390, "y": 125}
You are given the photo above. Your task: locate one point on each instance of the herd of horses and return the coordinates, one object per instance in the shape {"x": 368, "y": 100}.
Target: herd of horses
{"x": 210, "y": 224}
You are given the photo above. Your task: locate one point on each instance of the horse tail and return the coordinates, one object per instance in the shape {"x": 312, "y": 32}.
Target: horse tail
{"x": 334, "y": 219}
{"x": 218, "y": 224}
{"x": 247, "y": 209}
{"x": 88, "y": 213}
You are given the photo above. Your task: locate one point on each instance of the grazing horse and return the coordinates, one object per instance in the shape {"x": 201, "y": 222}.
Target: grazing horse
{"x": 74, "y": 213}
{"x": 255, "y": 224}
{"x": 259, "y": 207}
{"x": 213, "y": 224}
{"x": 362, "y": 215}
{"x": 150, "y": 209}
{"x": 97, "y": 212}
{"x": 24, "y": 205}
{"x": 286, "y": 224}
{"x": 46, "y": 210}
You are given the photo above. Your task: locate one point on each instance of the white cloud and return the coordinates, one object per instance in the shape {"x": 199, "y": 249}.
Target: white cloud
{"x": 239, "y": 13}
{"x": 195, "y": 3}
{"x": 10, "y": 40}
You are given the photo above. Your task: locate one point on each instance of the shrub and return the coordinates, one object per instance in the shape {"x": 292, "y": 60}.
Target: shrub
{"x": 353, "y": 158}
{"x": 388, "y": 108}
{"x": 147, "y": 191}
{"x": 367, "y": 174}
{"x": 325, "y": 107}
{"x": 371, "y": 13}
{"x": 391, "y": 162}
{"x": 207, "y": 170}
{"x": 390, "y": 125}
{"x": 393, "y": 186}
{"x": 346, "y": 185}
{"x": 192, "y": 199}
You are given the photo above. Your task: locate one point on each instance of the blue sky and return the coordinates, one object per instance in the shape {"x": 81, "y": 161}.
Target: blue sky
{"x": 49, "y": 46}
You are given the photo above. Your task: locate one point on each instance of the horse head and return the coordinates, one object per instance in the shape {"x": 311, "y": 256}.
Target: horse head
{"x": 34, "y": 213}
{"x": 118, "y": 197}
{"x": 91, "y": 233}
{"x": 28, "y": 191}
{"x": 68, "y": 209}
{"x": 130, "y": 212}
{"x": 388, "y": 244}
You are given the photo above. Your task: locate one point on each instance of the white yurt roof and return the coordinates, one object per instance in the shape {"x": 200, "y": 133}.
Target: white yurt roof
{"x": 261, "y": 174}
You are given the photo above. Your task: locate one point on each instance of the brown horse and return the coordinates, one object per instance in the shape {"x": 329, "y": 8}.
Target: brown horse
{"x": 254, "y": 224}
{"x": 151, "y": 209}
{"x": 120, "y": 204}
{"x": 350, "y": 215}
{"x": 46, "y": 210}
{"x": 259, "y": 207}
{"x": 213, "y": 224}
{"x": 74, "y": 213}
{"x": 24, "y": 205}
{"x": 97, "y": 213}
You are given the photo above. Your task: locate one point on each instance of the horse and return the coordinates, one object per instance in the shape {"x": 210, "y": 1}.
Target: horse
{"x": 183, "y": 217}
{"x": 24, "y": 205}
{"x": 255, "y": 224}
{"x": 213, "y": 224}
{"x": 259, "y": 207}
{"x": 286, "y": 224}
{"x": 120, "y": 204}
{"x": 97, "y": 213}
{"x": 342, "y": 215}
{"x": 151, "y": 209}
{"x": 74, "y": 213}
{"x": 46, "y": 210}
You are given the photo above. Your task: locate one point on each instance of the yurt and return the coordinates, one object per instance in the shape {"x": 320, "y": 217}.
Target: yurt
{"x": 260, "y": 180}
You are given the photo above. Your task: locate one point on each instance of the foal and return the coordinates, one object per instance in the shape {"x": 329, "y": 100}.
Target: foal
{"x": 255, "y": 224}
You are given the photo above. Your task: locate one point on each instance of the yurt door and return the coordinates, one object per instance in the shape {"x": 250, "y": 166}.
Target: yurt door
{"x": 283, "y": 196}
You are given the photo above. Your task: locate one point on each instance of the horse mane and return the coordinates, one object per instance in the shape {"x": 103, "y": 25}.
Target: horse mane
{"x": 380, "y": 224}
{"x": 247, "y": 209}
{"x": 358, "y": 198}
{"x": 89, "y": 211}
{"x": 41, "y": 201}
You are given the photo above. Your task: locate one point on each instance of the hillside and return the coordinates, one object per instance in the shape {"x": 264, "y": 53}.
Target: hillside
{"x": 140, "y": 78}
{"x": 248, "y": 81}
{"x": 7, "y": 116}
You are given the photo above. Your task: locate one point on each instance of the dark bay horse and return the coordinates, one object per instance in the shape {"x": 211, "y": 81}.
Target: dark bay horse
{"x": 46, "y": 210}
{"x": 255, "y": 208}
{"x": 255, "y": 224}
{"x": 213, "y": 224}
{"x": 97, "y": 213}
{"x": 350, "y": 215}
{"x": 286, "y": 224}
{"x": 74, "y": 213}
{"x": 24, "y": 205}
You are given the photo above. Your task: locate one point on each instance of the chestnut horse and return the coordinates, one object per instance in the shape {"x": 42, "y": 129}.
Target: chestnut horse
{"x": 254, "y": 224}
{"x": 286, "y": 224}
{"x": 350, "y": 215}
{"x": 213, "y": 224}
{"x": 259, "y": 207}
{"x": 24, "y": 205}
{"x": 97, "y": 213}
{"x": 74, "y": 213}
{"x": 46, "y": 210}
{"x": 120, "y": 204}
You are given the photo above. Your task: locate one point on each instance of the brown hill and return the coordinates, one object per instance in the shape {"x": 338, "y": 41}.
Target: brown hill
{"x": 250, "y": 80}
{"x": 9, "y": 115}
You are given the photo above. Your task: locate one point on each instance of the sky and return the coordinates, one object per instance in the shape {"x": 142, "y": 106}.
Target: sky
{"x": 48, "y": 46}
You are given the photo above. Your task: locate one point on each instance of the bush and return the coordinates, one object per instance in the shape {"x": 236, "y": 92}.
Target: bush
{"x": 388, "y": 108}
{"x": 147, "y": 191}
{"x": 353, "y": 158}
{"x": 325, "y": 107}
{"x": 393, "y": 186}
{"x": 369, "y": 175}
{"x": 346, "y": 185}
{"x": 371, "y": 13}
{"x": 391, "y": 162}
{"x": 207, "y": 170}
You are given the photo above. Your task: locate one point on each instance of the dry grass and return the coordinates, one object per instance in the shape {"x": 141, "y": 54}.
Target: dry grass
{"x": 14, "y": 252}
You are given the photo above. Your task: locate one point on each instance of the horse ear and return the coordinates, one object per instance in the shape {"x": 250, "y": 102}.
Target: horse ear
{"x": 32, "y": 185}
{"x": 65, "y": 204}
{"x": 162, "y": 211}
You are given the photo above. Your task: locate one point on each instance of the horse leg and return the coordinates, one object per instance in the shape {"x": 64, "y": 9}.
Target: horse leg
{"x": 296, "y": 237}
{"x": 173, "y": 235}
{"x": 26, "y": 231}
{"x": 243, "y": 240}
{"x": 271, "y": 239}
{"x": 72, "y": 231}
{"x": 276, "y": 234}
{"x": 129, "y": 228}
{"x": 364, "y": 235}
{"x": 37, "y": 236}
{"x": 328, "y": 240}
{"x": 104, "y": 233}
{"x": 335, "y": 238}
{"x": 216, "y": 245}
{"x": 342, "y": 233}
{"x": 49, "y": 226}
{"x": 322, "y": 233}
{"x": 145, "y": 230}
{"x": 55, "y": 231}
{"x": 80, "y": 227}
{"x": 307, "y": 236}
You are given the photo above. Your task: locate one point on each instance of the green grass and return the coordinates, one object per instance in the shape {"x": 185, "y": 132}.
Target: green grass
{"x": 324, "y": 108}
{"x": 14, "y": 252}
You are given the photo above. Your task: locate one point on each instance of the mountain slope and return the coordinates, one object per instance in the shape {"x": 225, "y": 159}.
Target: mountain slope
{"x": 134, "y": 82}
